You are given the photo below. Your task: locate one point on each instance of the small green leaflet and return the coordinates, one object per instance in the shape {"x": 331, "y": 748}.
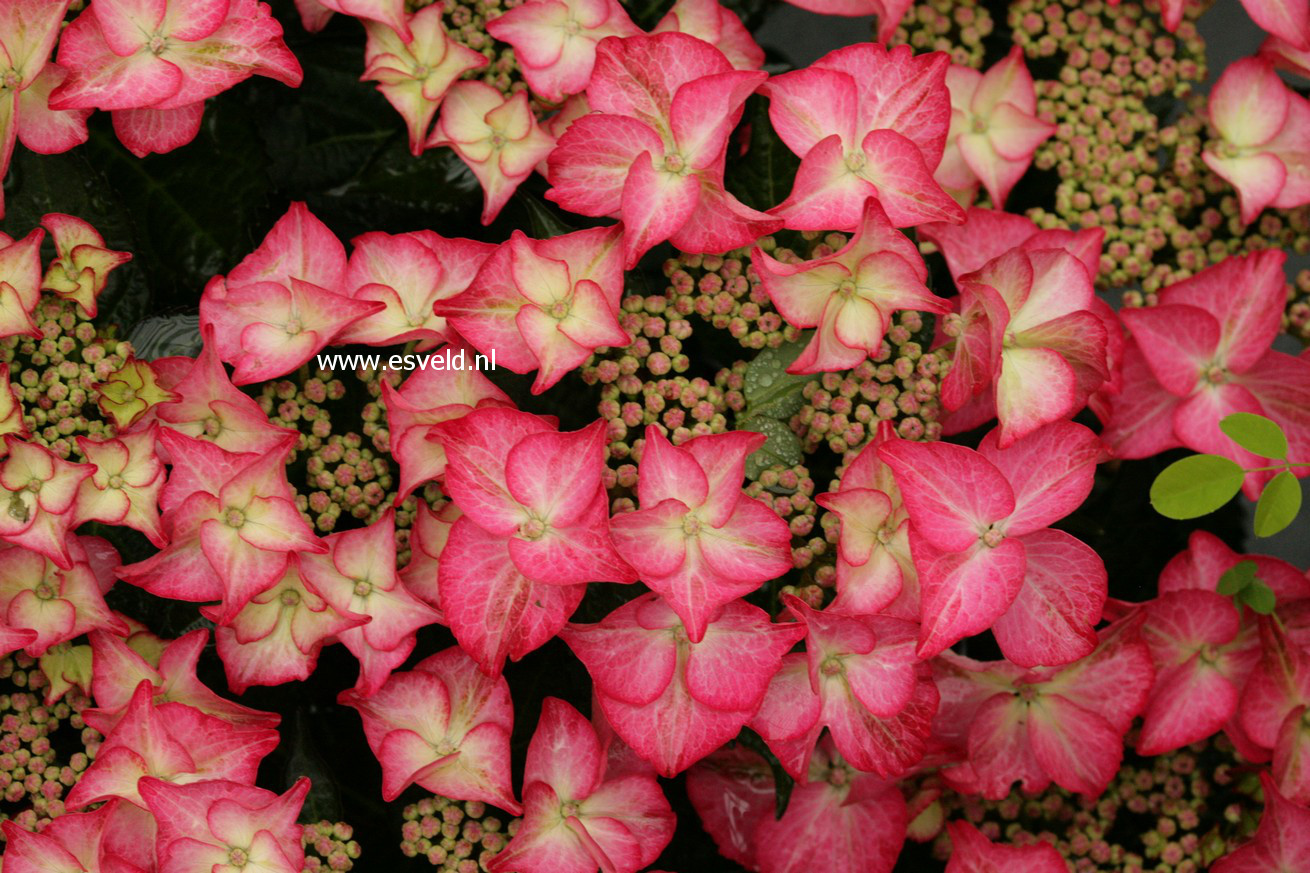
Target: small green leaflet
{"x": 772, "y": 397}
{"x": 1280, "y": 501}
{"x": 1247, "y": 589}
{"x": 1241, "y": 575}
{"x": 1256, "y": 434}
{"x": 1195, "y": 486}
{"x": 1258, "y": 596}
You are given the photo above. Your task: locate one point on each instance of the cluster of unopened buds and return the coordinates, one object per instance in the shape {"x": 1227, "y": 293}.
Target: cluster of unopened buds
{"x": 34, "y": 775}
{"x": 1179, "y": 812}
{"x": 459, "y": 837}
{"x": 764, "y": 637}
{"x": 328, "y": 846}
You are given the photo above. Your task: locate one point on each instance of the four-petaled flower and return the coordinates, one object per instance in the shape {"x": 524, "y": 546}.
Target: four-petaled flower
{"x": 82, "y": 262}
{"x": 544, "y": 305}
{"x": 154, "y": 64}
{"x": 697, "y": 539}
{"x": 850, "y": 295}
{"x": 498, "y": 137}
{"x": 1264, "y": 126}
{"x": 866, "y": 122}
{"x": 652, "y": 151}
{"x": 576, "y": 817}
{"x": 994, "y": 129}
{"x": 555, "y": 41}
{"x": 444, "y": 725}
{"x": 415, "y": 73}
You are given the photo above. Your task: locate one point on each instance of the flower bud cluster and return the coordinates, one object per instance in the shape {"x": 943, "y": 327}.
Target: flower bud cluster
{"x": 789, "y": 491}
{"x": 958, "y": 28}
{"x": 35, "y": 770}
{"x": 900, "y": 384}
{"x": 1297, "y": 319}
{"x": 342, "y": 477}
{"x": 725, "y": 291}
{"x": 453, "y": 835}
{"x": 54, "y": 377}
{"x": 334, "y": 470}
{"x": 328, "y": 846}
{"x": 643, "y": 383}
{"x": 1120, "y": 166}
{"x": 1174, "y": 813}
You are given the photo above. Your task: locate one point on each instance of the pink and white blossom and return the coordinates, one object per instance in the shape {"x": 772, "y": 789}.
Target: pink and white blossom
{"x": 154, "y": 64}
{"x": 875, "y": 569}
{"x": 674, "y": 701}
{"x": 981, "y": 540}
{"x": 414, "y": 70}
{"x": 82, "y": 262}
{"x": 1202, "y": 354}
{"x": 498, "y": 137}
{"x": 1064, "y": 725}
{"x": 28, "y": 31}
{"x": 408, "y": 273}
{"x": 839, "y": 819}
{"x": 357, "y": 576}
{"x": 576, "y": 816}
{"x": 555, "y": 41}
{"x": 994, "y": 129}
{"x": 698, "y": 540}
{"x": 284, "y": 302}
{"x": 278, "y": 634}
{"x": 1263, "y": 127}
{"x": 858, "y": 677}
{"x": 653, "y": 149}
{"x": 866, "y": 122}
{"x": 1035, "y": 344}
{"x": 544, "y": 305}
{"x": 219, "y": 823}
{"x": 444, "y": 725}
{"x": 718, "y": 26}
{"x": 850, "y": 295}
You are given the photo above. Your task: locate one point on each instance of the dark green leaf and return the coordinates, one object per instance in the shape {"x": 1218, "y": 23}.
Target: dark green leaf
{"x": 323, "y": 800}
{"x": 1195, "y": 486}
{"x": 647, "y": 13}
{"x": 769, "y": 389}
{"x": 164, "y": 335}
{"x": 751, "y": 12}
{"x": 782, "y": 447}
{"x": 545, "y": 223}
{"x": 1256, "y": 434}
{"x": 782, "y": 781}
{"x": 1279, "y": 503}
{"x": 398, "y": 192}
{"x": 1258, "y": 596}
{"x": 762, "y": 177}
{"x": 1241, "y": 575}
{"x": 198, "y": 210}
{"x": 322, "y": 134}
